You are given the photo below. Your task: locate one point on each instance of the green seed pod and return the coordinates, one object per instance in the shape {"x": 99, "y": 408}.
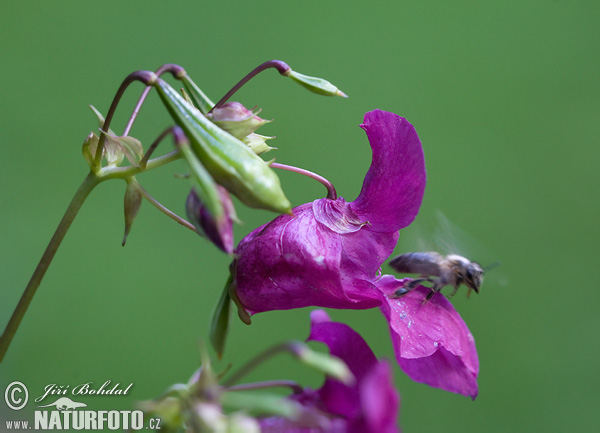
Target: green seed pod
{"x": 202, "y": 182}
{"x": 230, "y": 162}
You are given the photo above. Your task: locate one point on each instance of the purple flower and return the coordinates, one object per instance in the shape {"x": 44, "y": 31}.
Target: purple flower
{"x": 329, "y": 254}
{"x": 370, "y": 405}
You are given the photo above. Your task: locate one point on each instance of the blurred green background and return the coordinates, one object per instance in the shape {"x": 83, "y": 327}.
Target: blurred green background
{"x": 504, "y": 96}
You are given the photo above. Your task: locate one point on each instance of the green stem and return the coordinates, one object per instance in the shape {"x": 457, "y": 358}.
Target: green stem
{"x": 125, "y": 172}
{"x": 166, "y": 211}
{"x": 289, "y": 346}
{"x": 88, "y": 184}
{"x": 298, "y": 389}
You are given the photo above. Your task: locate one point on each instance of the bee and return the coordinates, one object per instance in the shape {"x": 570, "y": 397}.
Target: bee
{"x": 439, "y": 270}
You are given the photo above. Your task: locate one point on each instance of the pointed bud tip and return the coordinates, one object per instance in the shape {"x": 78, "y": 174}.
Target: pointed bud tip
{"x": 342, "y": 94}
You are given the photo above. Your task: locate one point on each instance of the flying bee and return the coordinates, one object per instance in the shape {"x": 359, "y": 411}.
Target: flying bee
{"x": 439, "y": 270}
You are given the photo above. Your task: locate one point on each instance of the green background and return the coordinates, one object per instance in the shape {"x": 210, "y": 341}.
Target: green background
{"x": 504, "y": 96}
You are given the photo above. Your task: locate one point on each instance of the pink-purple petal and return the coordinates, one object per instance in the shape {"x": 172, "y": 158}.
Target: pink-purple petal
{"x": 393, "y": 187}
{"x": 371, "y": 405}
{"x": 336, "y": 215}
{"x": 349, "y": 346}
{"x": 296, "y": 261}
{"x": 380, "y": 401}
{"x": 432, "y": 343}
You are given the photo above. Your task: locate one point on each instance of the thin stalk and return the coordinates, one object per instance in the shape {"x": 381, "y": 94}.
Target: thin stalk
{"x": 288, "y": 346}
{"x": 331, "y": 192}
{"x": 125, "y": 172}
{"x": 166, "y": 211}
{"x": 268, "y": 384}
{"x": 153, "y": 146}
{"x": 169, "y": 67}
{"x": 145, "y": 77}
{"x": 88, "y": 184}
{"x": 282, "y": 67}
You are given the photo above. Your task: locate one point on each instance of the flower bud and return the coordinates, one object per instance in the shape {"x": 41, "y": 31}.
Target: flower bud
{"x": 229, "y": 161}
{"x": 132, "y": 203}
{"x": 218, "y": 229}
{"x": 316, "y": 85}
{"x": 236, "y": 119}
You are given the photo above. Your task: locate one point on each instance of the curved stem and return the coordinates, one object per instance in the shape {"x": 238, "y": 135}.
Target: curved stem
{"x": 331, "y": 192}
{"x": 169, "y": 67}
{"x": 153, "y": 146}
{"x": 145, "y": 77}
{"x": 288, "y": 346}
{"x": 88, "y": 184}
{"x": 281, "y": 66}
{"x": 166, "y": 211}
{"x": 297, "y": 388}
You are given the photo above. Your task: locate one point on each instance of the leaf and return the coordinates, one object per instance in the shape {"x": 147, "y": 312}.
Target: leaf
{"x": 219, "y": 322}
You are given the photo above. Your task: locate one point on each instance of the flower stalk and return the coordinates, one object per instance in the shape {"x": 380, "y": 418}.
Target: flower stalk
{"x": 86, "y": 187}
{"x": 331, "y": 193}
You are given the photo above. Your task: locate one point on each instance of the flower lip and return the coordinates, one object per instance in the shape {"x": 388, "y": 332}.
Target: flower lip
{"x": 432, "y": 342}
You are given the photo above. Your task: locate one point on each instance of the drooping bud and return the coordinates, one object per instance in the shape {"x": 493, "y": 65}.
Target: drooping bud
{"x": 316, "y": 85}
{"x": 236, "y": 119}
{"x": 229, "y": 161}
{"x": 218, "y": 229}
{"x": 132, "y": 203}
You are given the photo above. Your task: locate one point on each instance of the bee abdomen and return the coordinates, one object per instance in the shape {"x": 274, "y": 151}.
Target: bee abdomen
{"x": 418, "y": 263}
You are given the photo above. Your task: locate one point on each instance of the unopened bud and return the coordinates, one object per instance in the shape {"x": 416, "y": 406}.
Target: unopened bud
{"x": 236, "y": 119}
{"x": 316, "y": 85}
{"x": 218, "y": 229}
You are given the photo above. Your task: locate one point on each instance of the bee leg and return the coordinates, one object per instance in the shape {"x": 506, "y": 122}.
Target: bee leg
{"x": 453, "y": 292}
{"x": 408, "y": 287}
{"x": 437, "y": 286}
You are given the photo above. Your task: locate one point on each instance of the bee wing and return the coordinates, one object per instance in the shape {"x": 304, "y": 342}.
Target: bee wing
{"x": 441, "y": 235}
{"x": 449, "y": 235}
